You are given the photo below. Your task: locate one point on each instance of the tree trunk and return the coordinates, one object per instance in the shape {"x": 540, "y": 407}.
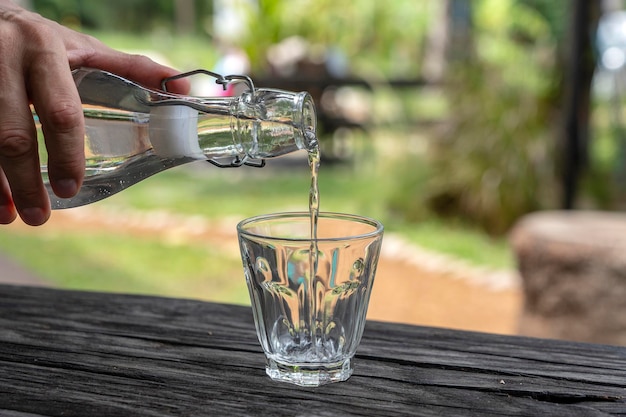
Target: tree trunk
{"x": 579, "y": 65}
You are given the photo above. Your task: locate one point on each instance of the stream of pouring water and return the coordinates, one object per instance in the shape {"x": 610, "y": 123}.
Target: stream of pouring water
{"x": 314, "y": 203}
{"x": 314, "y": 195}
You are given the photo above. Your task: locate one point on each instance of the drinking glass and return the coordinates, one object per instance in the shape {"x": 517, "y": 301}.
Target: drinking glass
{"x": 309, "y": 296}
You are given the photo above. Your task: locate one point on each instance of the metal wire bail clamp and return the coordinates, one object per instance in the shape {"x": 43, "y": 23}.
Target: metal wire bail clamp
{"x": 224, "y": 81}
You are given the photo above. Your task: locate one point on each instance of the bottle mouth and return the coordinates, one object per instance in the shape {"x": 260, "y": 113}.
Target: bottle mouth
{"x": 280, "y": 121}
{"x": 308, "y": 123}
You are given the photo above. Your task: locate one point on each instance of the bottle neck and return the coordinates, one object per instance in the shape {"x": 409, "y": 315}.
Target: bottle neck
{"x": 270, "y": 123}
{"x": 258, "y": 124}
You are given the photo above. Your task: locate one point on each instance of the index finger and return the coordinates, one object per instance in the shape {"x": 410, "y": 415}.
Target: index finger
{"x": 138, "y": 68}
{"x": 56, "y": 100}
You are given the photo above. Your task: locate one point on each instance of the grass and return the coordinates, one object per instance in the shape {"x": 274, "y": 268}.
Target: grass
{"x": 211, "y": 192}
{"x": 116, "y": 260}
{"x": 461, "y": 241}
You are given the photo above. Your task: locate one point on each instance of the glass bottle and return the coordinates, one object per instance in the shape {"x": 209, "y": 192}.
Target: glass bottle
{"x": 132, "y": 132}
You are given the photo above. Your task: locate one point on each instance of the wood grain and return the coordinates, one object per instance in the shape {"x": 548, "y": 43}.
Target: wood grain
{"x": 67, "y": 353}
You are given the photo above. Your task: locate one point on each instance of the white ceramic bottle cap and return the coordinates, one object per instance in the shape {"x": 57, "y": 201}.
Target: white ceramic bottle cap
{"x": 174, "y": 132}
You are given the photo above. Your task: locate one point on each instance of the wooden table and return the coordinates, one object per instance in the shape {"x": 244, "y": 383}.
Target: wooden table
{"x": 69, "y": 353}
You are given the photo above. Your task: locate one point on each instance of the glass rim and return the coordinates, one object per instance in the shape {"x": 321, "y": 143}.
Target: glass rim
{"x": 378, "y": 226}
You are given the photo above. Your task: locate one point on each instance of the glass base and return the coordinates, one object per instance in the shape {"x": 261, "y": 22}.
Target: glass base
{"x": 309, "y": 375}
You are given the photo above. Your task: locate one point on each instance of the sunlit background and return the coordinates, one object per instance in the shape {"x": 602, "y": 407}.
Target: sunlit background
{"x": 443, "y": 119}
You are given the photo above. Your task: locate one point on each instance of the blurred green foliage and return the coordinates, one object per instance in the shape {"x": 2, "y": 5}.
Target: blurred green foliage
{"x": 492, "y": 157}
{"x": 487, "y": 159}
{"x": 130, "y": 16}
{"x": 495, "y": 160}
{"x": 378, "y": 38}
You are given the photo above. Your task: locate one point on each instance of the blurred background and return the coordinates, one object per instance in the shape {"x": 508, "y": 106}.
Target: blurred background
{"x": 448, "y": 120}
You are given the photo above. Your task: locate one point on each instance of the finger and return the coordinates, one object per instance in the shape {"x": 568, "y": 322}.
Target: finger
{"x": 138, "y": 68}
{"x": 145, "y": 71}
{"x": 19, "y": 158}
{"x": 7, "y": 208}
{"x": 58, "y": 106}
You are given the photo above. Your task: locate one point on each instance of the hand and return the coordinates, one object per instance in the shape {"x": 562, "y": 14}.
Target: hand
{"x": 36, "y": 59}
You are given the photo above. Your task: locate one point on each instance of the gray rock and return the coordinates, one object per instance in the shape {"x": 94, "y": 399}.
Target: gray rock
{"x": 573, "y": 269}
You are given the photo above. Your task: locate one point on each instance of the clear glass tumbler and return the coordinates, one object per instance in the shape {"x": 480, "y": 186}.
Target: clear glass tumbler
{"x": 309, "y": 297}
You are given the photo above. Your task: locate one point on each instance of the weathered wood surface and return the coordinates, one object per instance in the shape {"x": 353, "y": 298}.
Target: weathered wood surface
{"x": 66, "y": 353}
